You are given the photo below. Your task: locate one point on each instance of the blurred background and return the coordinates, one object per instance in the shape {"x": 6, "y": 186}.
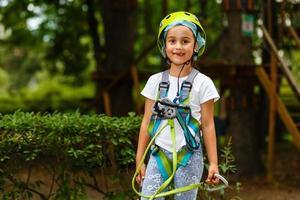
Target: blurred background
{"x": 94, "y": 56}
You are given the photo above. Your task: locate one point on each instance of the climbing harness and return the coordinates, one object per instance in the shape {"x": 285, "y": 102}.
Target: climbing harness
{"x": 165, "y": 109}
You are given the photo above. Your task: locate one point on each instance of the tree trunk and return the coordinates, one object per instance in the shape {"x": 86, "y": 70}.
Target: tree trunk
{"x": 119, "y": 25}
{"x": 244, "y": 130}
{"x": 236, "y": 49}
{"x": 97, "y": 49}
{"x": 203, "y": 12}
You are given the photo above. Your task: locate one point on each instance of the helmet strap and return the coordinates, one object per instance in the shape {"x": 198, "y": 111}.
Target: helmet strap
{"x": 195, "y": 54}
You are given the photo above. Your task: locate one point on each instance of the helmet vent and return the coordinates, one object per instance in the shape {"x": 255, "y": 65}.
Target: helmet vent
{"x": 187, "y": 13}
{"x": 167, "y": 17}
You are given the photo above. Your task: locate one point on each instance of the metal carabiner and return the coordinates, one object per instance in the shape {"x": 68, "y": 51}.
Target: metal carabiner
{"x": 219, "y": 187}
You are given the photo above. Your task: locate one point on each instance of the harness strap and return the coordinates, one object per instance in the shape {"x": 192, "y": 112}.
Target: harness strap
{"x": 164, "y": 84}
{"x": 187, "y": 86}
{"x": 174, "y": 164}
{"x": 165, "y": 164}
{"x": 191, "y": 140}
{"x": 153, "y": 125}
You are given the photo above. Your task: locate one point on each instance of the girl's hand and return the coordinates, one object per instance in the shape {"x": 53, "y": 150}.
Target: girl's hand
{"x": 212, "y": 170}
{"x": 141, "y": 175}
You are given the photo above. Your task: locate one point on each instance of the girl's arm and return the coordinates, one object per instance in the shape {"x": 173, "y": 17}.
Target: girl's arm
{"x": 144, "y": 137}
{"x": 210, "y": 141}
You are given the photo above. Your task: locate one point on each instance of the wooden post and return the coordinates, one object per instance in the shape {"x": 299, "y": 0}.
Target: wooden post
{"x": 250, "y": 5}
{"x": 239, "y": 5}
{"x": 295, "y": 35}
{"x": 272, "y": 118}
{"x": 287, "y": 22}
{"x": 106, "y": 102}
{"x": 136, "y": 85}
{"x": 272, "y": 102}
{"x": 226, "y": 5}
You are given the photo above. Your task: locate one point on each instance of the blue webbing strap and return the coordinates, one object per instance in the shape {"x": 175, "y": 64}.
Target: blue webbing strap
{"x": 191, "y": 141}
{"x": 187, "y": 85}
{"x": 164, "y": 84}
{"x": 163, "y": 92}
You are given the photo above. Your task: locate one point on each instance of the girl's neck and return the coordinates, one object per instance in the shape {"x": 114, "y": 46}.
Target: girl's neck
{"x": 175, "y": 70}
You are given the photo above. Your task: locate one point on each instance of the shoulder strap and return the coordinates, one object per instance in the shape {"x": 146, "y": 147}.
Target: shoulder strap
{"x": 192, "y": 75}
{"x": 188, "y": 84}
{"x": 164, "y": 84}
{"x": 185, "y": 87}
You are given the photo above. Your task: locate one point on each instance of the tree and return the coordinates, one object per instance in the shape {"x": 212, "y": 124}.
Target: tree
{"x": 119, "y": 32}
{"x": 236, "y": 48}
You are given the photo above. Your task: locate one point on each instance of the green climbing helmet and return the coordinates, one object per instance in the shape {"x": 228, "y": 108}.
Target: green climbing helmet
{"x": 185, "y": 19}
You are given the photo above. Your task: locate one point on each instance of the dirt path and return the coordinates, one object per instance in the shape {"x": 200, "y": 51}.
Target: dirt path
{"x": 259, "y": 189}
{"x": 286, "y": 181}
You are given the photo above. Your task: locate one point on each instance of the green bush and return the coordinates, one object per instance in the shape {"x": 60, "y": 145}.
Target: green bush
{"x": 72, "y": 141}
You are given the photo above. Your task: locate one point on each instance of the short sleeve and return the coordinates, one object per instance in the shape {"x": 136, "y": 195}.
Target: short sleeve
{"x": 151, "y": 87}
{"x": 208, "y": 91}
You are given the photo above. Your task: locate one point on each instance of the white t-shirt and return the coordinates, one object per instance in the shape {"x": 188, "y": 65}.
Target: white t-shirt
{"x": 203, "y": 90}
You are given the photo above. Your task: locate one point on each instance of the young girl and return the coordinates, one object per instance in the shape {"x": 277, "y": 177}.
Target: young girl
{"x": 170, "y": 117}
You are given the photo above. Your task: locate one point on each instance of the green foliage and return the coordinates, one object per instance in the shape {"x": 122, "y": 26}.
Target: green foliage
{"x": 63, "y": 144}
{"x": 226, "y": 167}
{"x": 227, "y": 159}
{"x": 295, "y": 64}
{"x": 47, "y": 93}
{"x": 44, "y": 36}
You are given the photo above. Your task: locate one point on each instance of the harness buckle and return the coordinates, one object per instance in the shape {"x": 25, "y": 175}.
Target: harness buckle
{"x": 164, "y": 108}
{"x": 187, "y": 85}
{"x": 154, "y": 149}
{"x": 164, "y": 85}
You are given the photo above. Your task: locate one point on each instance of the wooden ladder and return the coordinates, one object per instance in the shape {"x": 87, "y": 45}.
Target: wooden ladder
{"x": 281, "y": 107}
{"x": 276, "y": 104}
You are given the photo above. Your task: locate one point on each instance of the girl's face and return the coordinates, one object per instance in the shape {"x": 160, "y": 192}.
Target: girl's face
{"x": 180, "y": 44}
